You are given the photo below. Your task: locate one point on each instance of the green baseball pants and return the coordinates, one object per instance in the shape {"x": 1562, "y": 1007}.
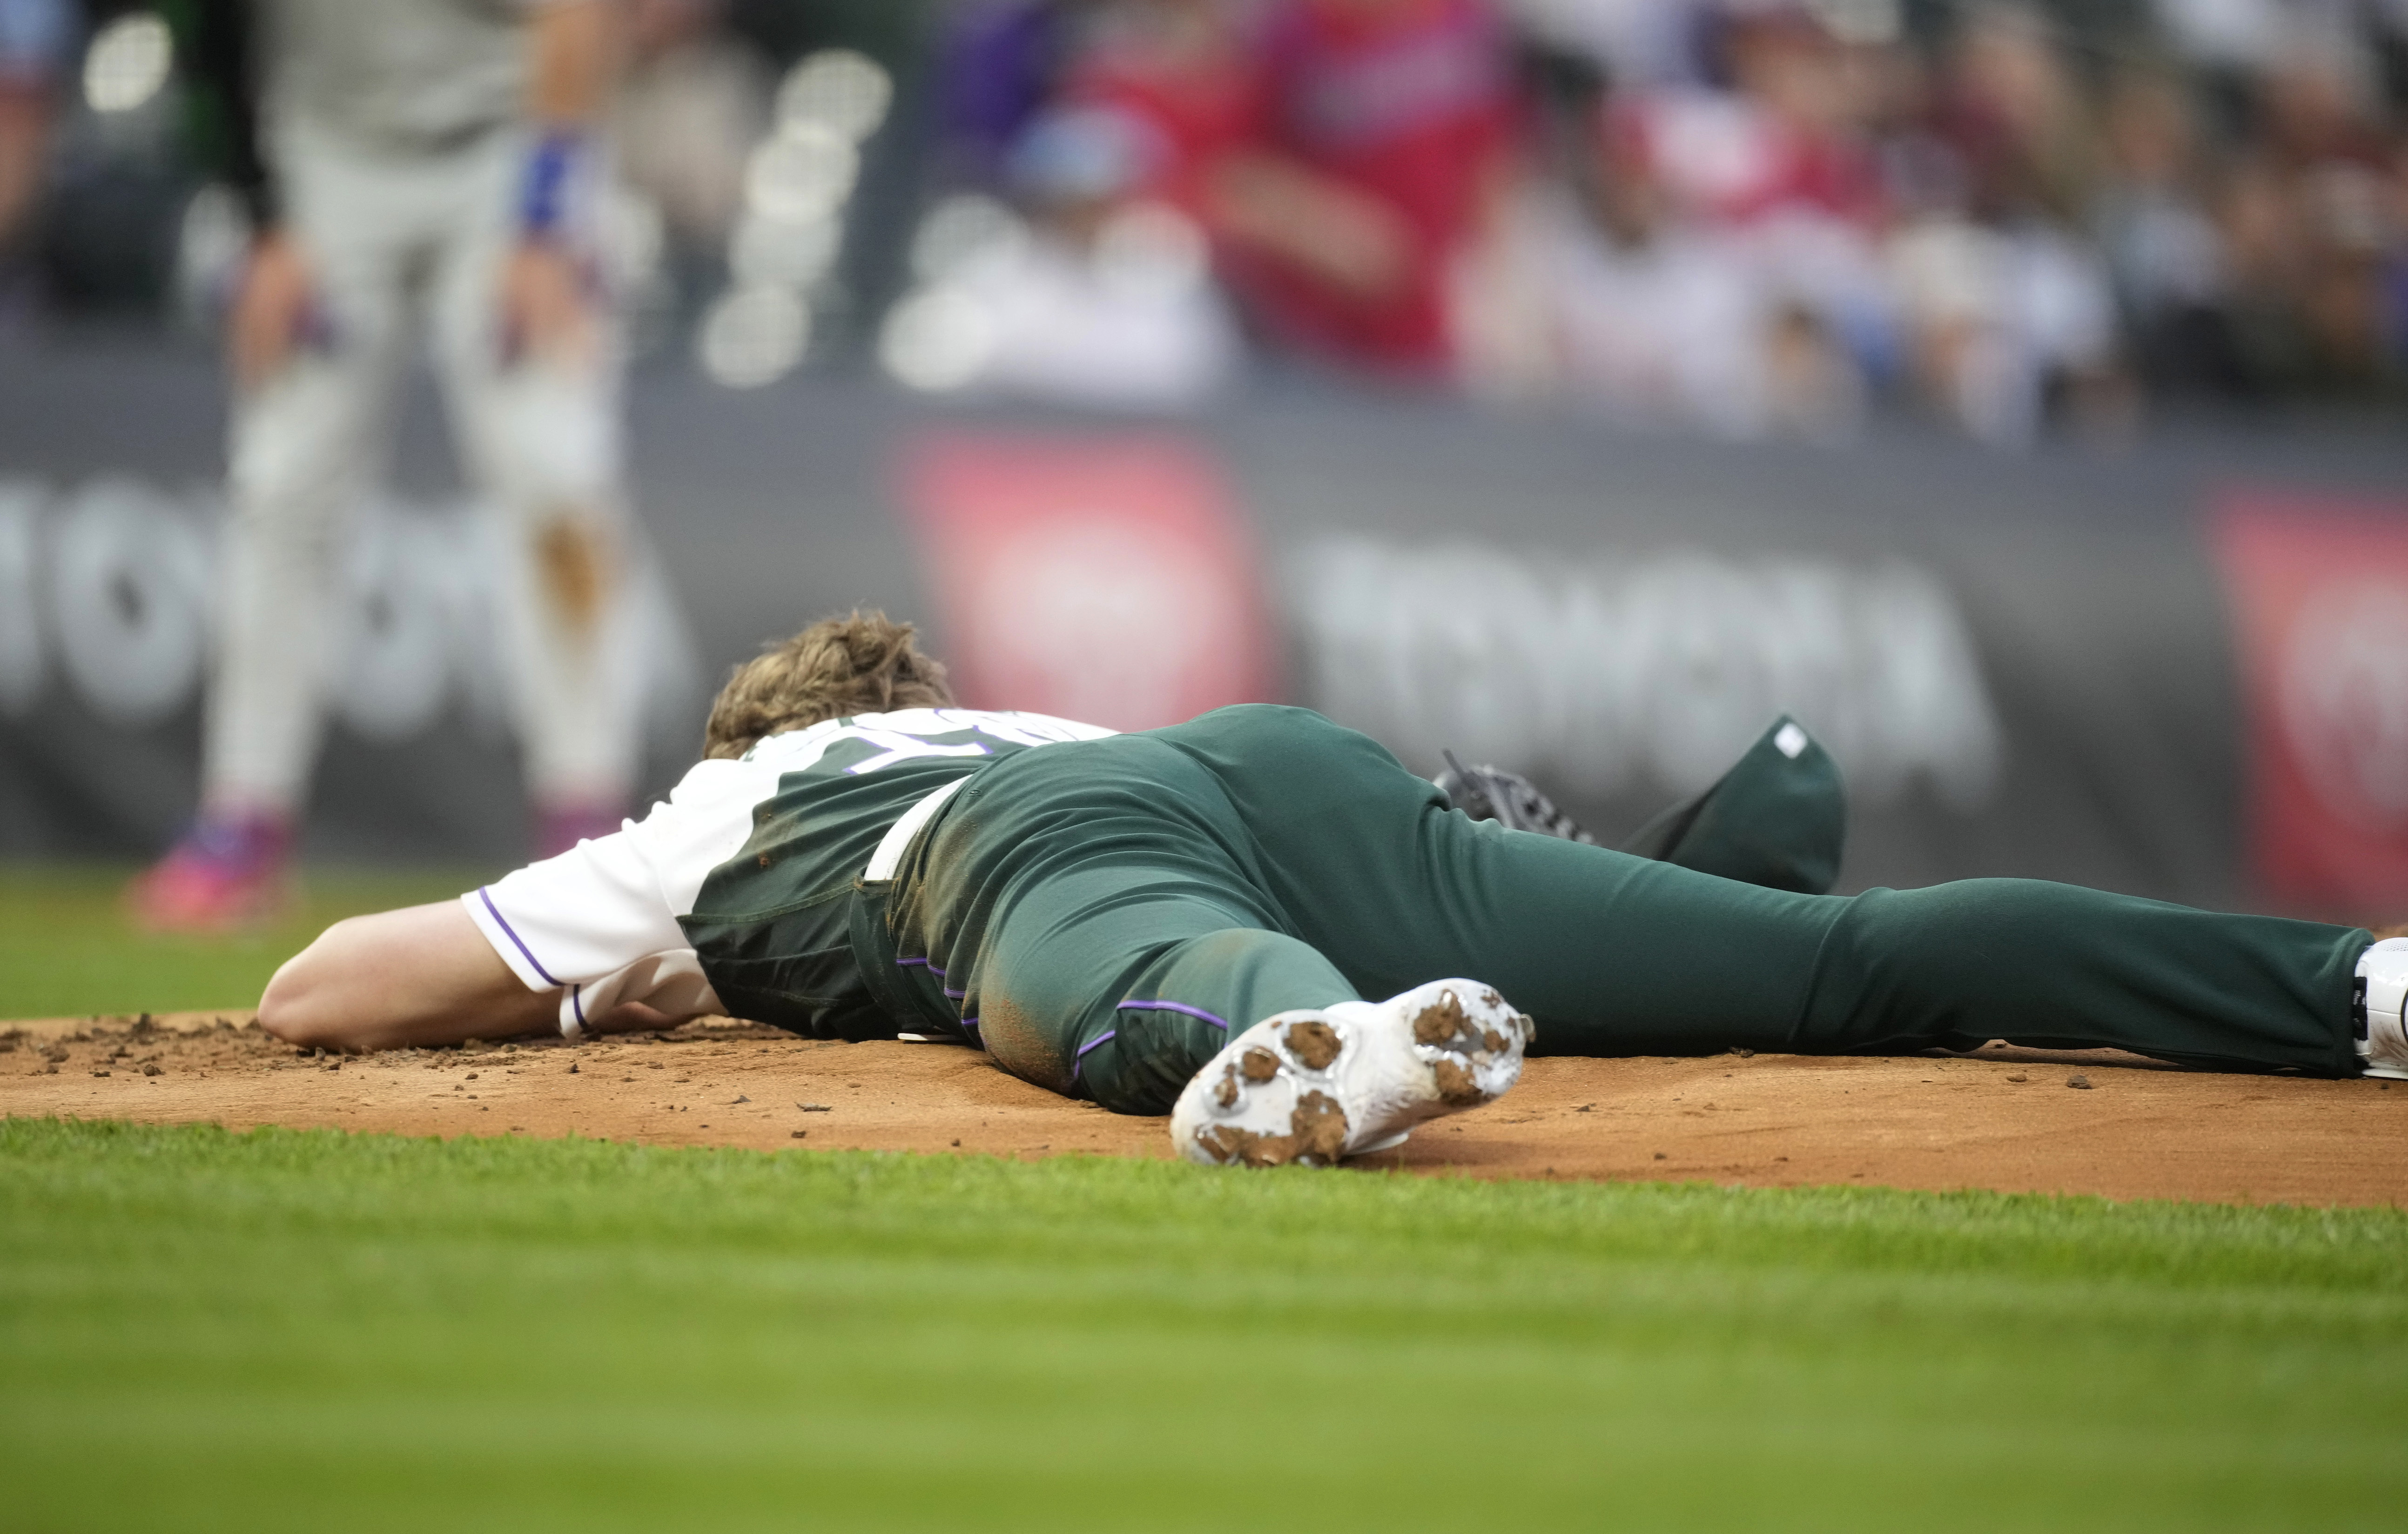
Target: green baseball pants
{"x": 1103, "y": 916}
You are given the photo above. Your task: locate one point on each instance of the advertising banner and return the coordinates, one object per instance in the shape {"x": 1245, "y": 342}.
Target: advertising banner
{"x": 109, "y": 609}
{"x": 2319, "y": 591}
{"x": 2098, "y": 668}
{"x": 1108, "y": 579}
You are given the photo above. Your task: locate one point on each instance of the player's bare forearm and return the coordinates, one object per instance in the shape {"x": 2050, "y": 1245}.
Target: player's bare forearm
{"x": 420, "y": 976}
{"x": 576, "y": 62}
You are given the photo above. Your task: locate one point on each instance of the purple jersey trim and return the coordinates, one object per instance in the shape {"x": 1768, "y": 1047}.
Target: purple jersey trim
{"x": 1172, "y": 1007}
{"x": 1082, "y": 1059}
{"x": 575, "y": 1005}
{"x": 512, "y": 933}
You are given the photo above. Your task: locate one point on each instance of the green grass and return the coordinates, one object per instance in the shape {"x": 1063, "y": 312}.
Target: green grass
{"x": 288, "y": 1330}
{"x": 66, "y": 948}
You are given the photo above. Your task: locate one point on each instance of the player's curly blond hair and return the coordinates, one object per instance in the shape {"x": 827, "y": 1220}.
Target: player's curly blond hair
{"x": 863, "y": 663}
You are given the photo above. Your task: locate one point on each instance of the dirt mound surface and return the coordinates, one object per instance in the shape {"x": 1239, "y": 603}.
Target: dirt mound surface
{"x": 2011, "y": 1119}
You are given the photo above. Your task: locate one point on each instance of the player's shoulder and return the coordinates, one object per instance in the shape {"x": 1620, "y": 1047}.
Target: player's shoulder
{"x": 1009, "y": 724}
{"x": 1006, "y": 727}
{"x": 791, "y": 751}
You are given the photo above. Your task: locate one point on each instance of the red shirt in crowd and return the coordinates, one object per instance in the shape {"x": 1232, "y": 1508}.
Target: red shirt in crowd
{"x": 1408, "y": 102}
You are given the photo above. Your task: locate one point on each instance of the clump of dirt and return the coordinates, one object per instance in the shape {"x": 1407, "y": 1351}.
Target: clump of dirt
{"x": 1454, "y": 1084}
{"x": 1318, "y": 1126}
{"x": 1439, "y": 1022}
{"x": 1227, "y": 1143}
{"x": 1316, "y": 1136}
{"x": 1314, "y": 1043}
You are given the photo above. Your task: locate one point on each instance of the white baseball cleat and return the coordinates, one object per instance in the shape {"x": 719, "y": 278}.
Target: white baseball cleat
{"x": 1317, "y": 1085}
{"x": 2377, "y": 1009}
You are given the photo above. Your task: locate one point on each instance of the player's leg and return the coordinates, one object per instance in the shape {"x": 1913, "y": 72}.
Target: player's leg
{"x": 306, "y": 444}
{"x": 1116, "y": 980}
{"x": 1674, "y": 961}
{"x": 1618, "y": 954}
{"x": 1089, "y": 910}
{"x": 536, "y": 418}
{"x": 1129, "y": 985}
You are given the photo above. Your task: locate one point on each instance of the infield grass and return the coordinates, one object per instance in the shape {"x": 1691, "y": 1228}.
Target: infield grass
{"x": 291, "y": 1331}
{"x": 67, "y": 950}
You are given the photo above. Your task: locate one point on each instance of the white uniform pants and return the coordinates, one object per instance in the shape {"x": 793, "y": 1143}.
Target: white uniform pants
{"x": 389, "y": 239}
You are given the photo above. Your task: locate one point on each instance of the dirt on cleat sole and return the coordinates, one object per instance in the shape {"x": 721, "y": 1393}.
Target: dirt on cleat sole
{"x": 1316, "y": 1137}
{"x": 1310, "y": 1088}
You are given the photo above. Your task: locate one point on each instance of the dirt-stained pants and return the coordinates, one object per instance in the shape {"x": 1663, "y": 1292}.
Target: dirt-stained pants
{"x": 1111, "y": 913}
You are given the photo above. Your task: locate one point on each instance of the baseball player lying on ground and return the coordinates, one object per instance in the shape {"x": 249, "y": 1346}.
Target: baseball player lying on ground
{"x": 1189, "y": 919}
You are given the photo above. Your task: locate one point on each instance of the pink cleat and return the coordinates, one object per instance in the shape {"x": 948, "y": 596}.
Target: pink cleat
{"x": 225, "y": 874}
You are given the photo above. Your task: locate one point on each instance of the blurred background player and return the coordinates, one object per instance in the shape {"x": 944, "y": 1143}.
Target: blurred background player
{"x": 416, "y": 160}
{"x": 33, "y": 40}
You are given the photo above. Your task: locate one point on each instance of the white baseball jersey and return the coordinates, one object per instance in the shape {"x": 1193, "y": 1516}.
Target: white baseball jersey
{"x": 825, "y": 807}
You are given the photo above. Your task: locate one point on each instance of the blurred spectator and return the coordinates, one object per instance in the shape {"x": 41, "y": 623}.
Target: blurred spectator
{"x": 1342, "y": 155}
{"x": 1184, "y": 68}
{"x": 1376, "y": 161}
{"x": 2000, "y": 315}
{"x": 1603, "y": 286}
{"x": 998, "y": 64}
{"x": 1779, "y": 163}
{"x": 1763, "y": 215}
{"x": 2007, "y": 305}
{"x": 1101, "y": 297}
{"x": 2317, "y": 99}
{"x": 1745, "y": 216}
{"x": 2013, "y": 109}
{"x": 1635, "y": 44}
{"x": 33, "y": 40}
{"x": 692, "y": 105}
{"x": 2158, "y": 237}
{"x": 1786, "y": 135}
{"x": 2327, "y": 176}
{"x": 2395, "y": 283}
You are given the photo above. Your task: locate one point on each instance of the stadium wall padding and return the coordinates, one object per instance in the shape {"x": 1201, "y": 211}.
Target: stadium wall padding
{"x": 2027, "y": 665}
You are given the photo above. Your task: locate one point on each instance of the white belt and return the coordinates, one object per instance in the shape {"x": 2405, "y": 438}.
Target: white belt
{"x": 891, "y": 847}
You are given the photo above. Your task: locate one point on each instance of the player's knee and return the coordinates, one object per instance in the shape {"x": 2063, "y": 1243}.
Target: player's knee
{"x": 576, "y": 567}
{"x": 1148, "y": 1060}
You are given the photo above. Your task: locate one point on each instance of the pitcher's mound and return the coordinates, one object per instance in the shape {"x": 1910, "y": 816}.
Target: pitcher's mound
{"x": 2011, "y": 1119}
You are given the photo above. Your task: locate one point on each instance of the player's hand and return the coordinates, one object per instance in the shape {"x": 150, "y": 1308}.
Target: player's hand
{"x": 272, "y": 308}
{"x": 630, "y": 1017}
{"x": 545, "y": 310}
